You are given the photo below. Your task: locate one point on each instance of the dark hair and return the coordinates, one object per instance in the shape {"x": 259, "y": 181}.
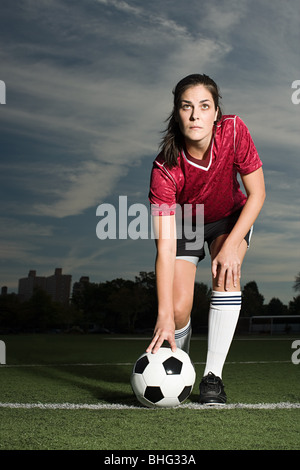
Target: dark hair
{"x": 173, "y": 141}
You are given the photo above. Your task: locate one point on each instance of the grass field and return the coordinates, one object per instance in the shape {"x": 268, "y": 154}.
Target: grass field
{"x": 67, "y": 392}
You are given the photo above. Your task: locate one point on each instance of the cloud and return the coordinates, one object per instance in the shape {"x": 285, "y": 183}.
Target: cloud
{"x": 25, "y": 229}
{"x": 90, "y": 185}
{"x": 149, "y": 17}
{"x": 102, "y": 124}
{"x": 220, "y": 17}
{"x": 88, "y": 89}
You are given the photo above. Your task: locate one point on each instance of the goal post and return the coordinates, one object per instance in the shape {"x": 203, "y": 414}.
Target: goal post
{"x": 274, "y": 324}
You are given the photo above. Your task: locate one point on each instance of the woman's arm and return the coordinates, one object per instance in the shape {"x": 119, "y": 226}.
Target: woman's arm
{"x": 227, "y": 263}
{"x": 165, "y": 233}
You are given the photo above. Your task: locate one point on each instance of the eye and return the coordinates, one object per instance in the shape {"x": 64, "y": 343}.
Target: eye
{"x": 205, "y": 106}
{"x": 186, "y": 106}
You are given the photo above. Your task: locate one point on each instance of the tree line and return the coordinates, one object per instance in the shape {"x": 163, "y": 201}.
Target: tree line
{"x": 122, "y": 306}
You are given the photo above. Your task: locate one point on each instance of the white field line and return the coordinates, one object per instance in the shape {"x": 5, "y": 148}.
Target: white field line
{"x": 190, "y": 406}
{"x": 201, "y": 338}
{"x": 103, "y": 406}
{"x": 103, "y": 364}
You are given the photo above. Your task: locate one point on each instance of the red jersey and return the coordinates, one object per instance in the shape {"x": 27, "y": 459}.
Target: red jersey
{"x": 211, "y": 182}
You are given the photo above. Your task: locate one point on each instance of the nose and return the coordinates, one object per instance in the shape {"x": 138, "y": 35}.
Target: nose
{"x": 194, "y": 115}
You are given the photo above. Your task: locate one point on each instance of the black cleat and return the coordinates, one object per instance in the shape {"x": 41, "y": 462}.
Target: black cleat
{"x": 212, "y": 390}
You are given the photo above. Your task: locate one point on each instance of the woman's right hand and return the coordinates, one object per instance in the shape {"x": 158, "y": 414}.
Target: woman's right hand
{"x": 165, "y": 235}
{"x": 164, "y": 331}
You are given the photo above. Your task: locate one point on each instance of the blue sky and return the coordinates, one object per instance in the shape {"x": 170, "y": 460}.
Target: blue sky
{"x": 88, "y": 88}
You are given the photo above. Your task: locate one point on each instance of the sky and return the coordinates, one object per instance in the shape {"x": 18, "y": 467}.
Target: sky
{"x": 88, "y": 87}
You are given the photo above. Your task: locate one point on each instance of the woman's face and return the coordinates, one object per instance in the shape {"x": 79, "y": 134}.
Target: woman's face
{"x": 196, "y": 115}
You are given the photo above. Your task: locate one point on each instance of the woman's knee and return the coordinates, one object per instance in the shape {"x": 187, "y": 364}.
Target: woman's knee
{"x": 182, "y": 313}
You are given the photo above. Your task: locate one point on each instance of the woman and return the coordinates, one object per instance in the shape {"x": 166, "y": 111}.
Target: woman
{"x": 201, "y": 154}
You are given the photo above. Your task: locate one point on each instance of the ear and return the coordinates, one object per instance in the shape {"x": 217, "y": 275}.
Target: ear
{"x": 217, "y": 112}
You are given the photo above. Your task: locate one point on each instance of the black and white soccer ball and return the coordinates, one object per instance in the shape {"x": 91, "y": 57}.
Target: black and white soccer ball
{"x": 163, "y": 379}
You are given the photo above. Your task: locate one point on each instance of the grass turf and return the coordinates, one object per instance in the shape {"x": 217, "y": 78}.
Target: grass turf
{"x": 44, "y": 369}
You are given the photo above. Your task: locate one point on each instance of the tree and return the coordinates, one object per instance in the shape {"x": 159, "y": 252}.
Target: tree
{"x": 294, "y": 306}
{"x": 40, "y": 313}
{"x": 253, "y": 301}
{"x": 91, "y": 301}
{"x": 9, "y": 311}
{"x": 296, "y": 285}
{"x": 126, "y": 303}
{"x": 147, "y": 280}
{"x": 276, "y": 307}
{"x": 148, "y": 313}
{"x": 201, "y": 303}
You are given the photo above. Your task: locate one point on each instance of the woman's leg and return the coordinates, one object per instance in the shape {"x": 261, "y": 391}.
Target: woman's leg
{"x": 223, "y": 315}
{"x": 183, "y": 292}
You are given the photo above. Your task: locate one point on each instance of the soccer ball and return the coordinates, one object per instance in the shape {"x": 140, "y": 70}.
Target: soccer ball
{"x": 163, "y": 379}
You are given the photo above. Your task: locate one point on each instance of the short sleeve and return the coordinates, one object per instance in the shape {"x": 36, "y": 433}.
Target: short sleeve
{"x": 162, "y": 194}
{"x": 246, "y": 158}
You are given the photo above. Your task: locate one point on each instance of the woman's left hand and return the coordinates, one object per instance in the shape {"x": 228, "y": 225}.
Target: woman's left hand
{"x": 226, "y": 268}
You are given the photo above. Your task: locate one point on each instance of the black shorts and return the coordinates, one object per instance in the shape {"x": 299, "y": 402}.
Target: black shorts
{"x": 211, "y": 232}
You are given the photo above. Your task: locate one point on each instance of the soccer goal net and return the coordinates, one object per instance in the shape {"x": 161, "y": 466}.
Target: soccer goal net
{"x": 277, "y": 324}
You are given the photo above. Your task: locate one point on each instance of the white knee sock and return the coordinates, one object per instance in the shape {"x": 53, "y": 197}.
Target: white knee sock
{"x": 223, "y": 317}
{"x": 183, "y": 337}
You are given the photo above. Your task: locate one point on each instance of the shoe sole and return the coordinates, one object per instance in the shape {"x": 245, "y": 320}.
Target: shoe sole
{"x": 212, "y": 403}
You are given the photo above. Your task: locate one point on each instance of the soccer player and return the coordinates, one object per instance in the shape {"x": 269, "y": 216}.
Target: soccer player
{"x": 202, "y": 153}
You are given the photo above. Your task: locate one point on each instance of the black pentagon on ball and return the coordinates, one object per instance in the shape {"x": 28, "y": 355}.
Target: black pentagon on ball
{"x": 172, "y": 366}
{"x": 185, "y": 393}
{"x": 141, "y": 365}
{"x": 153, "y": 394}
